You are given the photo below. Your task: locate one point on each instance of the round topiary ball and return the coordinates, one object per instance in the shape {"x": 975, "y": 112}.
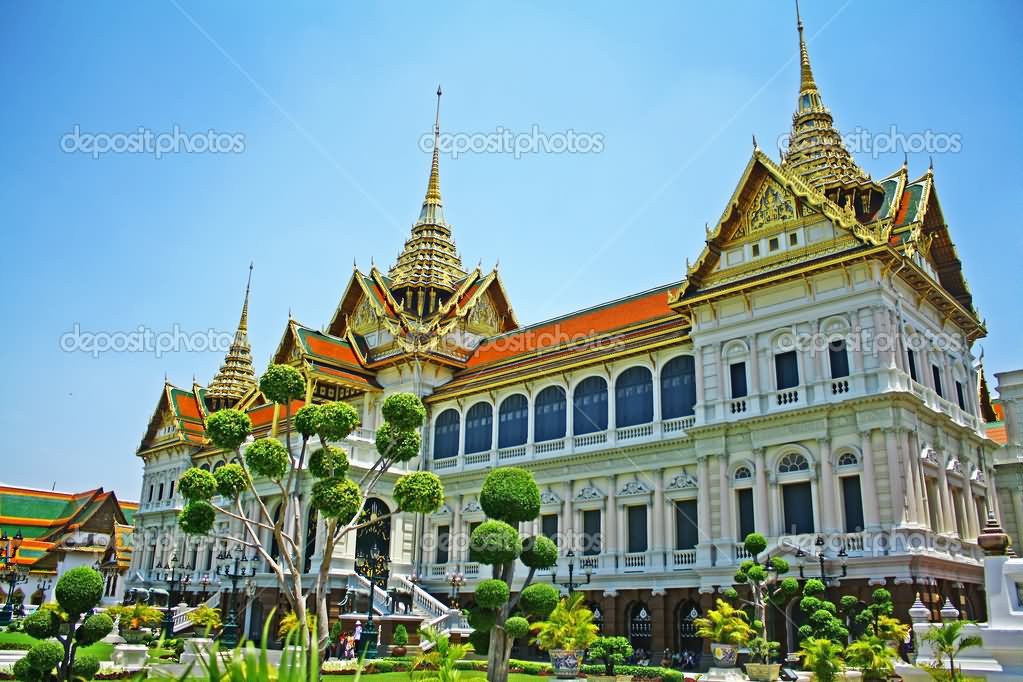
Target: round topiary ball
{"x": 404, "y": 410}
{"x": 86, "y": 666}
{"x": 305, "y": 420}
{"x": 809, "y": 604}
{"x": 397, "y": 445}
{"x": 79, "y": 590}
{"x": 780, "y": 565}
{"x": 336, "y": 421}
{"x": 197, "y": 484}
{"x": 197, "y": 517}
{"x": 481, "y": 619}
{"x": 539, "y": 599}
{"x": 23, "y": 671}
{"x": 232, "y": 480}
{"x": 281, "y": 384}
{"x": 510, "y": 494}
{"x": 96, "y": 627}
{"x": 328, "y": 462}
{"x": 337, "y": 498}
{"x": 480, "y": 641}
{"x": 757, "y": 573}
{"x": 494, "y": 542}
{"x": 813, "y": 586}
{"x": 789, "y": 586}
{"x": 42, "y": 624}
{"x": 516, "y": 627}
{"x": 492, "y": 593}
{"x": 755, "y": 543}
{"x": 539, "y": 552}
{"x": 420, "y": 491}
{"x": 268, "y": 457}
{"x": 730, "y": 593}
{"x": 228, "y": 429}
{"x": 44, "y": 656}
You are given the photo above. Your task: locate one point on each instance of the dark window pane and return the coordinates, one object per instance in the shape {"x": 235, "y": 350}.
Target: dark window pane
{"x": 634, "y": 397}
{"x": 445, "y": 435}
{"x": 838, "y": 357}
{"x": 936, "y": 373}
{"x": 912, "y": 365}
{"x": 798, "y": 508}
{"x": 637, "y": 528}
{"x": 746, "y": 514}
{"x": 960, "y": 398}
{"x": 786, "y": 370}
{"x": 549, "y": 414}
{"x": 853, "y": 504}
{"x": 513, "y": 421}
{"x": 738, "y": 375}
{"x": 678, "y": 388}
{"x": 591, "y": 532}
{"x": 686, "y": 524}
{"x": 479, "y": 428}
{"x": 590, "y": 406}
{"x": 549, "y": 526}
{"x": 443, "y": 540}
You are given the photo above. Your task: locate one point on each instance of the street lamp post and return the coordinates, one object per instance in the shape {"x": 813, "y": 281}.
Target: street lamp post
{"x": 11, "y": 574}
{"x": 233, "y": 571}
{"x": 818, "y": 554}
{"x": 204, "y": 587}
{"x": 374, "y": 567}
{"x": 571, "y": 583}
{"x": 456, "y": 579}
{"x": 172, "y": 577}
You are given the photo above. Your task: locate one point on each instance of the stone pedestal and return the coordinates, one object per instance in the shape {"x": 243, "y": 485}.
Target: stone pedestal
{"x": 130, "y": 656}
{"x": 197, "y": 650}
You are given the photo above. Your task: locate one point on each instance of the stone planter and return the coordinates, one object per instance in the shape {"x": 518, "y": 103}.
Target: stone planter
{"x": 197, "y": 649}
{"x": 130, "y": 656}
{"x": 763, "y": 672}
{"x": 725, "y": 655}
{"x": 398, "y": 651}
{"x": 565, "y": 663}
{"x": 134, "y": 636}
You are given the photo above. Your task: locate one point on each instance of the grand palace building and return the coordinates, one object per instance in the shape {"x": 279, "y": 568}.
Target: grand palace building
{"x": 809, "y": 376}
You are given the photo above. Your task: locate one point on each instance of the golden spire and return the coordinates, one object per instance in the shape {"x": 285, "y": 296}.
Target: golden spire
{"x": 815, "y": 151}
{"x": 236, "y": 375}
{"x": 430, "y": 258}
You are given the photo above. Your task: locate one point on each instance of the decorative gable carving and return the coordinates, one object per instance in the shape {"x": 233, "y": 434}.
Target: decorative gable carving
{"x": 682, "y": 481}
{"x": 590, "y": 492}
{"x": 634, "y": 488}
{"x": 771, "y": 205}
{"x": 549, "y": 497}
{"x": 472, "y": 507}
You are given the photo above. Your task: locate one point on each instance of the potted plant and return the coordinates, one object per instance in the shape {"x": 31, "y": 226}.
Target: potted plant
{"x": 873, "y": 657}
{"x": 948, "y": 640}
{"x": 205, "y": 619}
{"x": 822, "y": 657}
{"x": 566, "y": 635}
{"x": 399, "y": 640}
{"x": 728, "y": 629}
{"x": 134, "y": 620}
{"x": 760, "y": 667}
{"x": 610, "y": 651}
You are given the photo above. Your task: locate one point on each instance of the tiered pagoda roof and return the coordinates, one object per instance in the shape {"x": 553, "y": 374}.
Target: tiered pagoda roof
{"x": 236, "y": 377}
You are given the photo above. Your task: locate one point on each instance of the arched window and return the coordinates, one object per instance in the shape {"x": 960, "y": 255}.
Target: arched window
{"x": 589, "y": 405}
{"x": 634, "y": 397}
{"x": 479, "y": 428}
{"x": 848, "y": 459}
{"x": 678, "y": 387}
{"x": 793, "y": 462}
{"x": 743, "y": 473}
{"x": 512, "y": 421}
{"x": 205, "y": 466}
{"x": 549, "y": 414}
{"x": 640, "y": 627}
{"x": 445, "y": 435}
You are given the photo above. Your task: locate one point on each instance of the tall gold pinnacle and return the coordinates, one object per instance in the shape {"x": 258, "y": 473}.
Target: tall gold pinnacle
{"x": 433, "y": 186}
{"x": 806, "y": 82}
{"x": 236, "y": 375}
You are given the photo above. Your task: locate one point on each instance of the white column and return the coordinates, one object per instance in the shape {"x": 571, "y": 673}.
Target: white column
{"x": 761, "y": 511}
{"x": 698, "y": 379}
{"x": 658, "y": 512}
{"x": 703, "y": 508}
{"x": 948, "y": 515}
{"x": 971, "y": 511}
{"x": 922, "y": 515}
{"x": 725, "y": 495}
{"x": 610, "y": 529}
{"x": 457, "y": 544}
{"x": 827, "y": 492}
{"x": 896, "y": 474}
{"x": 612, "y": 436}
{"x": 754, "y": 367}
{"x": 567, "y": 520}
{"x": 495, "y": 428}
{"x": 868, "y": 487}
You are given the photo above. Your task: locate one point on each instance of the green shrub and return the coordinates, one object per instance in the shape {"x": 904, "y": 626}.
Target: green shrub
{"x": 539, "y": 599}
{"x": 510, "y": 494}
{"x": 79, "y": 590}
{"x": 400, "y": 636}
{"x": 328, "y": 462}
{"x": 492, "y": 593}
{"x": 337, "y": 498}
{"x": 404, "y": 410}
{"x": 336, "y": 421}
{"x": 268, "y": 457}
{"x": 420, "y": 491}
{"x": 96, "y": 627}
{"x": 281, "y": 384}
{"x": 197, "y": 517}
{"x": 516, "y": 627}
{"x": 494, "y": 542}
{"x": 481, "y": 620}
{"x": 480, "y": 642}
{"x": 86, "y": 666}
{"x": 305, "y": 420}
{"x": 44, "y": 656}
{"x": 396, "y": 444}
{"x": 42, "y": 624}
{"x": 539, "y": 552}
{"x": 228, "y": 429}
{"x": 232, "y": 480}
{"x": 197, "y": 484}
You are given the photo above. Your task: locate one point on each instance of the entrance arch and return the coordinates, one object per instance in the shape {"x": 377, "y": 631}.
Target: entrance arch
{"x": 686, "y": 638}
{"x": 640, "y": 627}
{"x": 376, "y": 535}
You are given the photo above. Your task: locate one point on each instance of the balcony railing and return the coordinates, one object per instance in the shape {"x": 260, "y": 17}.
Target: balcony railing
{"x": 634, "y": 561}
{"x": 630, "y": 432}
{"x": 683, "y": 558}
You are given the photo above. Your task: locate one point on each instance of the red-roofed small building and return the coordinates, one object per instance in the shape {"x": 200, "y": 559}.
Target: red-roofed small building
{"x": 1007, "y": 430}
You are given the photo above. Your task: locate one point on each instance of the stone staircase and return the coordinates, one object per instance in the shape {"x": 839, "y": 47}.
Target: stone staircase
{"x": 181, "y": 622}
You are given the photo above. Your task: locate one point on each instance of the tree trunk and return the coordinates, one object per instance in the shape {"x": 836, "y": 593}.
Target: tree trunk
{"x": 497, "y": 657}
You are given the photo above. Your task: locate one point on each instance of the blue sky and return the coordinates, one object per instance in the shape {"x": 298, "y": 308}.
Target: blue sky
{"x": 330, "y": 101}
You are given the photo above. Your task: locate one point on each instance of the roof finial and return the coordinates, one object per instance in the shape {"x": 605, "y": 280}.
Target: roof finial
{"x": 433, "y": 187}
{"x": 166, "y": 380}
{"x": 930, "y": 165}
{"x": 243, "y": 323}
{"x": 806, "y": 81}
{"x": 755, "y": 147}
{"x": 905, "y": 159}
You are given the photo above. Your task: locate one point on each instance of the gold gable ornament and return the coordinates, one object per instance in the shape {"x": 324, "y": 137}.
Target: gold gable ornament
{"x": 772, "y": 205}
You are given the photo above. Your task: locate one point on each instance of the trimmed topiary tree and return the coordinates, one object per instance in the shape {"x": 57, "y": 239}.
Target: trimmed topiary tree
{"x": 273, "y": 464}
{"x": 78, "y": 592}
{"x": 611, "y": 651}
{"x": 763, "y": 588}
{"x": 823, "y": 621}
{"x": 509, "y": 497}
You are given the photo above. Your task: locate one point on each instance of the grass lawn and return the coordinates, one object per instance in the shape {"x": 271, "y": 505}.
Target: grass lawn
{"x": 466, "y": 675}
{"x": 100, "y": 650}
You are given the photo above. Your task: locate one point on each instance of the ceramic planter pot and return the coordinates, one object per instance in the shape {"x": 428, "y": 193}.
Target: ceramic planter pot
{"x": 565, "y": 663}
{"x": 398, "y": 650}
{"x": 763, "y": 672}
{"x": 725, "y": 655}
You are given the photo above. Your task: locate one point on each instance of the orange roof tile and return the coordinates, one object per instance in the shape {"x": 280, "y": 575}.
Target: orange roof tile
{"x": 998, "y": 434}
